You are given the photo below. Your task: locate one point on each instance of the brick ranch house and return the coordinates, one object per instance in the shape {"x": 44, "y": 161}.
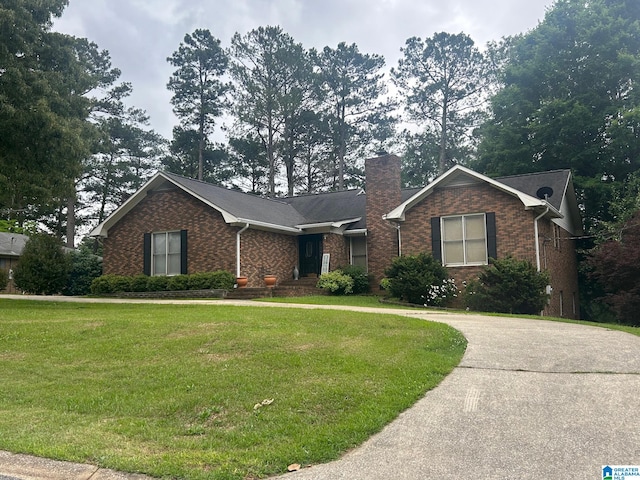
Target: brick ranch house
{"x": 175, "y": 225}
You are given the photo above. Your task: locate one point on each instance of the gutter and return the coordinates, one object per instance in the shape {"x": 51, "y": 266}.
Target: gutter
{"x": 238, "y": 248}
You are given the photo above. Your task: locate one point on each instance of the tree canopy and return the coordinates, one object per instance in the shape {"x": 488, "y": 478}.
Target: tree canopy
{"x": 444, "y": 81}
{"x": 570, "y": 99}
{"x": 199, "y": 93}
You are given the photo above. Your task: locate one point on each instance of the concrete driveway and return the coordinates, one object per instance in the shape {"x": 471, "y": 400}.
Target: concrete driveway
{"x": 531, "y": 399}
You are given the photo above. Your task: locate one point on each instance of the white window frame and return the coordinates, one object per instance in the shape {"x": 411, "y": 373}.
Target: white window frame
{"x": 443, "y": 240}
{"x": 166, "y": 253}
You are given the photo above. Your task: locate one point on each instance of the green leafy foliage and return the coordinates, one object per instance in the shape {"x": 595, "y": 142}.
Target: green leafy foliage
{"x": 108, "y": 284}
{"x": 272, "y": 76}
{"x": 336, "y": 282}
{"x": 569, "y": 100}
{"x": 139, "y": 283}
{"x": 220, "y": 279}
{"x": 508, "y": 285}
{"x": 419, "y": 279}
{"x": 352, "y": 89}
{"x": 157, "y": 283}
{"x": 84, "y": 268}
{"x": 178, "y": 282}
{"x": 616, "y": 267}
{"x": 360, "y": 278}
{"x": 43, "y": 267}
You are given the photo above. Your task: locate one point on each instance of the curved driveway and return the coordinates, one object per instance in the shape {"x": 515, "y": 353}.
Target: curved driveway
{"x": 531, "y": 399}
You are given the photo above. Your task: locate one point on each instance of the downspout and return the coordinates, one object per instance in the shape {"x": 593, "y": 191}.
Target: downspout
{"x": 535, "y": 229}
{"x": 399, "y": 240}
{"x": 238, "y": 248}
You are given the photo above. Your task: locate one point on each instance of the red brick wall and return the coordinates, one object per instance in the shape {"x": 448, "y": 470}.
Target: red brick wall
{"x": 383, "y": 195}
{"x": 514, "y": 232}
{"x": 264, "y": 253}
{"x": 558, "y": 257}
{"x": 338, "y": 247}
{"x": 211, "y": 242}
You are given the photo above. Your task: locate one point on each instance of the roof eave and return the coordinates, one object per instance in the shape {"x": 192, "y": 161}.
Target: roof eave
{"x": 271, "y": 227}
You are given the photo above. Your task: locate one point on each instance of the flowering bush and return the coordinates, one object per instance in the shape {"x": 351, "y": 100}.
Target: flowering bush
{"x": 419, "y": 279}
{"x": 439, "y": 295}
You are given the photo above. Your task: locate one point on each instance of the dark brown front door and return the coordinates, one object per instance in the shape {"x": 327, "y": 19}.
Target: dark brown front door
{"x": 310, "y": 253}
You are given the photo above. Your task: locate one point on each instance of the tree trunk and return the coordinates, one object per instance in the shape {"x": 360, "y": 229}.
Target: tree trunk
{"x": 71, "y": 220}
{"x": 442, "y": 161}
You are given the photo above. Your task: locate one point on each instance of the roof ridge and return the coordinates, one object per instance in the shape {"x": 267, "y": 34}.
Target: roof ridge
{"x": 226, "y": 189}
{"x": 534, "y": 173}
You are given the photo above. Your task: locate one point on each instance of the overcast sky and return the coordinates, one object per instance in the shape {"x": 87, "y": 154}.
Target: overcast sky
{"x": 141, "y": 34}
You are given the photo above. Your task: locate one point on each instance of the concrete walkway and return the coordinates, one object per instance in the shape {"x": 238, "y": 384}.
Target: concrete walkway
{"x": 531, "y": 399}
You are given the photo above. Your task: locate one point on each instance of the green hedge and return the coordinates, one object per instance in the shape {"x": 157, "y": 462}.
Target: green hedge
{"x": 107, "y": 284}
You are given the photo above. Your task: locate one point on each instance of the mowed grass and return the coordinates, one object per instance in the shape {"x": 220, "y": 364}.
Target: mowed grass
{"x": 173, "y": 391}
{"x": 350, "y": 300}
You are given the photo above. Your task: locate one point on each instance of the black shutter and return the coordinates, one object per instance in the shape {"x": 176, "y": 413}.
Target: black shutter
{"x": 492, "y": 247}
{"x": 146, "y": 263}
{"x": 436, "y": 245}
{"x": 183, "y": 252}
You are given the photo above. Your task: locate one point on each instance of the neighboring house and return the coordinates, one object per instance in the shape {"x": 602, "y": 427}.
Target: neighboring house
{"x": 176, "y": 225}
{"x": 11, "y": 246}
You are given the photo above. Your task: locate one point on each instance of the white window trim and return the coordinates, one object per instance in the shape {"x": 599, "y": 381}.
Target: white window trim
{"x": 166, "y": 253}
{"x": 464, "y": 241}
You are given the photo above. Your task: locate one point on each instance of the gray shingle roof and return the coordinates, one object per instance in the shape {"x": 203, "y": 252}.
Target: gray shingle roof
{"x": 331, "y": 206}
{"x": 243, "y": 205}
{"x": 12, "y": 244}
{"x": 531, "y": 183}
{"x": 292, "y": 212}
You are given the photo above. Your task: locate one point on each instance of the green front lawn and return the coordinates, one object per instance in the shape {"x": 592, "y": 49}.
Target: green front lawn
{"x": 207, "y": 392}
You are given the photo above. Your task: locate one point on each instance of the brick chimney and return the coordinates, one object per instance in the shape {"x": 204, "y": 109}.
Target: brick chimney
{"x": 383, "y": 185}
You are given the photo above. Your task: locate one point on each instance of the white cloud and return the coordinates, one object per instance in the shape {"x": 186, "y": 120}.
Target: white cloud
{"x": 141, "y": 34}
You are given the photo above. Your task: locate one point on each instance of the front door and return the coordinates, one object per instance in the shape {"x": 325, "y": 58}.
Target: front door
{"x": 310, "y": 253}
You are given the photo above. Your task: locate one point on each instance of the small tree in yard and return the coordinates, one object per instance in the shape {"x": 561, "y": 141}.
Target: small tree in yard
{"x": 508, "y": 286}
{"x": 85, "y": 266}
{"x": 43, "y": 267}
{"x": 616, "y": 266}
{"x": 420, "y": 279}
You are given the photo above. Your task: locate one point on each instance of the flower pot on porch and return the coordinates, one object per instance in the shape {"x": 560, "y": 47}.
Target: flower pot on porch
{"x": 270, "y": 281}
{"x": 242, "y": 282}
